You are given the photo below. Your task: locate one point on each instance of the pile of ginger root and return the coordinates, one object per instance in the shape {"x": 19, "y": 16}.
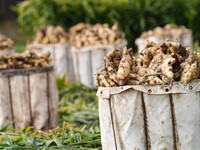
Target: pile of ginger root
{"x": 78, "y": 28}
{"x": 168, "y": 30}
{"x": 160, "y": 64}
{"x": 50, "y": 35}
{"x": 86, "y": 35}
{"x": 26, "y": 60}
{"x": 5, "y": 42}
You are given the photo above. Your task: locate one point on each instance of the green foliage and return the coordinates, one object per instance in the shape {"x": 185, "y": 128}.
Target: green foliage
{"x": 65, "y": 137}
{"x": 19, "y": 47}
{"x": 196, "y": 46}
{"x": 133, "y": 16}
{"x": 78, "y": 104}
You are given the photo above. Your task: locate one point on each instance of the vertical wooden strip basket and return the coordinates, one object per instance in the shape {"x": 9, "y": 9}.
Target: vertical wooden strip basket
{"x": 60, "y": 55}
{"x": 29, "y": 96}
{"x": 89, "y": 60}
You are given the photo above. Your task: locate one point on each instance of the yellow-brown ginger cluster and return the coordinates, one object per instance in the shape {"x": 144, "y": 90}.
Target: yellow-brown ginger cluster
{"x": 159, "y": 64}
{"x": 168, "y": 30}
{"x": 85, "y": 35}
{"x": 50, "y": 35}
{"x": 24, "y": 60}
{"x": 5, "y": 42}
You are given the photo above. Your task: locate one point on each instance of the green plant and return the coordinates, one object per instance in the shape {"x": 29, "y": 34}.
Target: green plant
{"x": 133, "y": 16}
{"x": 65, "y": 137}
{"x": 196, "y": 46}
{"x": 78, "y": 104}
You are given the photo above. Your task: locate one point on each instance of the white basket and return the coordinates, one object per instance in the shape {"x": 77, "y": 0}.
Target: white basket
{"x": 185, "y": 39}
{"x": 61, "y": 57}
{"x": 29, "y": 96}
{"x": 6, "y": 51}
{"x": 88, "y": 61}
{"x": 150, "y": 117}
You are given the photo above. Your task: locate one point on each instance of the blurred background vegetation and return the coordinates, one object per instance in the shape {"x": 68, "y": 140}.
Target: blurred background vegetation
{"x": 132, "y": 16}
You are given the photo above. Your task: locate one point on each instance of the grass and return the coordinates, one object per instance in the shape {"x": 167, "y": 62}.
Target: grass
{"x": 78, "y": 104}
{"x": 65, "y": 137}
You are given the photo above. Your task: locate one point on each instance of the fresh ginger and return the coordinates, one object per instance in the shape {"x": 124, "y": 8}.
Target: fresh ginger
{"x": 159, "y": 64}
{"x": 178, "y": 50}
{"x": 84, "y": 35}
{"x": 166, "y": 66}
{"x": 24, "y": 60}
{"x": 190, "y": 72}
{"x": 50, "y": 35}
{"x": 5, "y": 42}
{"x": 148, "y": 53}
{"x": 124, "y": 67}
{"x": 102, "y": 80}
{"x": 110, "y": 69}
{"x": 115, "y": 56}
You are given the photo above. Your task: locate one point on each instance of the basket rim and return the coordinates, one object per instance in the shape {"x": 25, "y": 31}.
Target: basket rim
{"x": 15, "y": 72}
{"x": 98, "y": 46}
{"x": 177, "y": 88}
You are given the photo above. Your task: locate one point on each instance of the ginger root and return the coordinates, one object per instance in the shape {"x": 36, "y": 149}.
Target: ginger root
{"x": 124, "y": 67}
{"x": 50, "y": 35}
{"x": 24, "y": 60}
{"x": 190, "y": 72}
{"x": 115, "y": 56}
{"x": 5, "y": 42}
{"x": 148, "y": 53}
{"x": 168, "y": 29}
{"x": 159, "y": 64}
{"x": 85, "y": 35}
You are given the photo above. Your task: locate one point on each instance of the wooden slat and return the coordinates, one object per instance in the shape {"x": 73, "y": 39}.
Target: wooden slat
{"x": 5, "y": 106}
{"x": 20, "y": 100}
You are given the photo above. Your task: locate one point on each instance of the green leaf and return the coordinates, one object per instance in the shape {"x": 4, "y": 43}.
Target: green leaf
{"x": 8, "y": 139}
{"x": 56, "y": 140}
{"x": 33, "y": 140}
{"x": 26, "y": 142}
{"x": 3, "y": 129}
{"x": 48, "y": 143}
